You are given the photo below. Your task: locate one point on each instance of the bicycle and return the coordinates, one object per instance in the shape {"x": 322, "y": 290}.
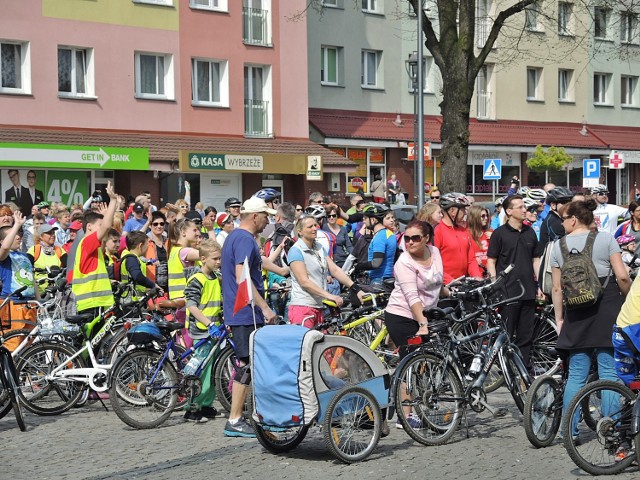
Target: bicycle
{"x": 603, "y": 445}
{"x": 430, "y": 391}
{"x": 9, "y": 395}
{"x": 147, "y": 380}
{"x": 54, "y": 375}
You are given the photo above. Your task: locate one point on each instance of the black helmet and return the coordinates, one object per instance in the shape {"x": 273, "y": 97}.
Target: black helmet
{"x": 375, "y": 210}
{"x": 559, "y": 195}
{"x": 232, "y": 202}
{"x": 454, "y": 199}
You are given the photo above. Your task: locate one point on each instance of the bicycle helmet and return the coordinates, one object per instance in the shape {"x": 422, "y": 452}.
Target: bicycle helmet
{"x": 523, "y": 191}
{"x": 499, "y": 200}
{"x": 267, "y": 194}
{"x": 625, "y": 240}
{"x": 375, "y": 210}
{"x": 530, "y": 204}
{"x": 559, "y": 195}
{"x": 537, "y": 194}
{"x": 454, "y": 199}
{"x": 598, "y": 189}
{"x": 144, "y": 333}
{"x": 232, "y": 202}
{"x": 316, "y": 211}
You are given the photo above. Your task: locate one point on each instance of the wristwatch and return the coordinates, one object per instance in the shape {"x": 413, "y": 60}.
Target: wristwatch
{"x": 422, "y": 324}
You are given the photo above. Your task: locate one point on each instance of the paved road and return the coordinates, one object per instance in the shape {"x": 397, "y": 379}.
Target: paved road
{"x": 91, "y": 443}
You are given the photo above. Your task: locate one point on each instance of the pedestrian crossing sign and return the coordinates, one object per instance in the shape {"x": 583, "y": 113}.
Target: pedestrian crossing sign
{"x": 492, "y": 169}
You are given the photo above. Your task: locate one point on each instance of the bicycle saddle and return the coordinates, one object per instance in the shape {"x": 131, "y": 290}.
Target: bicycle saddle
{"x": 437, "y": 313}
{"x": 167, "y": 327}
{"x": 80, "y": 319}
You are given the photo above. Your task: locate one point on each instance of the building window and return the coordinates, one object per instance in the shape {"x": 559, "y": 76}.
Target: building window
{"x": 601, "y": 83}
{"x": 369, "y": 64}
{"x": 154, "y": 76}
{"x": 209, "y": 84}
{"x": 167, "y": 3}
{"x": 628, "y": 27}
{"x": 372, "y": 6}
{"x": 628, "y": 91}
{"x": 531, "y": 17}
{"x": 564, "y": 18}
{"x": 565, "y": 86}
{"x": 330, "y": 65}
{"x": 483, "y": 92}
{"x": 75, "y": 72}
{"x": 600, "y": 22}
{"x": 257, "y": 107}
{"x": 14, "y": 67}
{"x": 256, "y": 21}
{"x": 218, "y": 5}
{"x": 332, "y": 3}
{"x": 534, "y": 84}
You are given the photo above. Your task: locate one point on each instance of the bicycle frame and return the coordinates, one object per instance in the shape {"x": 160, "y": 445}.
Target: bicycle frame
{"x": 382, "y": 334}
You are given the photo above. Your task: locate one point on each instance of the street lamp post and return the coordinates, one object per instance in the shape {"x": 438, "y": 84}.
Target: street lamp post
{"x": 415, "y": 69}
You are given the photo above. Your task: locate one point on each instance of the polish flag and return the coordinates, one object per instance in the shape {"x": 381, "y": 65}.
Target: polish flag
{"x": 245, "y": 290}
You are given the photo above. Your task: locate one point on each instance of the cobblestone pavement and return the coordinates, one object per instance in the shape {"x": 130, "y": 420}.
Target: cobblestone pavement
{"x": 91, "y": 443}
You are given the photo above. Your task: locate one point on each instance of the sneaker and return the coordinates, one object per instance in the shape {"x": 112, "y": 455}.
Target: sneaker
{"x": 624, "y": 451}
{"x": 209, "y": 412}
{"x": 196, "y": 417}
{"x": 414, "y": 422}
{"x": 240, "y": 429}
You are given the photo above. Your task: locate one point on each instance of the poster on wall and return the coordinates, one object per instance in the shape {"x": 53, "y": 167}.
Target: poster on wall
{"x": 358, "y": 179}
{"x": 28, "y": 187}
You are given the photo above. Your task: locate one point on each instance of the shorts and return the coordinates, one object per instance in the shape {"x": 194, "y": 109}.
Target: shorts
{"x": 241, "y": 334}
{"x": 400, "y": 330}
{"x": 306, "y": 316}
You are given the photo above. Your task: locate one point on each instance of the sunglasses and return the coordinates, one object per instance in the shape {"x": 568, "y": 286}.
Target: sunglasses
{"x": 299, "y": 209}
{"x": 413, "y": 238}
{"x": 484, "y": 215}
{"x": 603, "y": 194}
{"x": 333, "y": 215}
{"x": 184, "y": 206}
{"x": 158, "y": 224}
{"x": 435, "y": 198}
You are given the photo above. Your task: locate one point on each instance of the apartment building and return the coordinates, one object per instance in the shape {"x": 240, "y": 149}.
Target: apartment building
{"x": 565, "y": 85}
{"x": 153, "y": 93}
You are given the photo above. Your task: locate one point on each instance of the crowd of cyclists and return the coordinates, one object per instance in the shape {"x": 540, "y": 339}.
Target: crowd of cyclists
{"x": 196, "y": 257}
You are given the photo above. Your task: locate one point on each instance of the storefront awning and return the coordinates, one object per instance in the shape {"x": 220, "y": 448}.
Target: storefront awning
{"x": 164, "y": 148}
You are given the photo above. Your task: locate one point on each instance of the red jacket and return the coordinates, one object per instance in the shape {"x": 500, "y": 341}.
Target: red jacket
{"x": 458, "y": 257}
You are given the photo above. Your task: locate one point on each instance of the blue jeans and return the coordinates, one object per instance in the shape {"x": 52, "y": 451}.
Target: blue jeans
{"x": 579, "y": 367}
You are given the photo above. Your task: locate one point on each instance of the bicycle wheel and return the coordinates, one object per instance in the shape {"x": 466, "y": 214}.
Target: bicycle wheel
{"x": 520, "y": 380}
{"x": 140, "y": 400}
{"x": 352, "y": 424}
{"x": 494, "y": 379}
{"x": 9, "y": 380}
{"x": 15, "y": 338}
{"x": 543, "y": 411}
{"x": 40, "y": 394}
{"x": 606, "y": 449}
{"x": 543, "y": 355}
{"x": 428, "y": 399}
{"x": 223, "y": 373}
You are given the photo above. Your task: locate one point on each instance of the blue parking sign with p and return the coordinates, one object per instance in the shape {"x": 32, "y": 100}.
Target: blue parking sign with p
{"x": 591, "y": 168}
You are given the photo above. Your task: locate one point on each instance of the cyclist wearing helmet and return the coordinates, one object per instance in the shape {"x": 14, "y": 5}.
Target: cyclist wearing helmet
{"x": 453, "y": 240}
{"x": 495, "y": 218}
{"x": 271, "y": 197}
{"x": 632, "y": 226}
{"x": 531, "y": 216}
{"x": 232, "y": 206}
{"x": 382, "y": 249}
{"x": 326, "y": 239}
{"x": 606, "y": 214}
{"x": 551, "y": 228}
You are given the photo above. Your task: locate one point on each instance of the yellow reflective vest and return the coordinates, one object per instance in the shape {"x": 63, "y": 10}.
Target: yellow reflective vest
{"x": 92, "y": 289}
{"x": 210, "y": 302}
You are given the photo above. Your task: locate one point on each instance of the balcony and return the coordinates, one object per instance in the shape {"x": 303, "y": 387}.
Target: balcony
{"x": 484, "y": 105}
{"x": 256, "y": 118}
{"x": 255, "y": 26}
{"x": 483, "y": 28}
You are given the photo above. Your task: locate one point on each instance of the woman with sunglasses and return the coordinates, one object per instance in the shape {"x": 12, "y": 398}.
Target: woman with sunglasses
{"x": 480, "y": 233}
{"x": 419, "y": 283}
{"x": 343, "y": 246}
{"x": 310, "y": 266}
{"x": 156, "y": 253}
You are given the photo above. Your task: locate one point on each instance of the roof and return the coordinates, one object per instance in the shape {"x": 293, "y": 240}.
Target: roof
{"x": 384, "y": 126}
{"x": 164, "y": 146}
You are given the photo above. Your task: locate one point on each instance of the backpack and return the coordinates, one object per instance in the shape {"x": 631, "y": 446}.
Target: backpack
{"x": 117, "y": 267}
{"x": 581, "y": 286}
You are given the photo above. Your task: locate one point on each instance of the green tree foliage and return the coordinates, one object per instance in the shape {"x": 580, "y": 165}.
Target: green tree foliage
{"x": 554, "y": 158}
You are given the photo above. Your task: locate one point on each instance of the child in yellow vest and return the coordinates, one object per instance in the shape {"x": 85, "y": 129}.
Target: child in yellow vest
{"x": 203, "y": 295}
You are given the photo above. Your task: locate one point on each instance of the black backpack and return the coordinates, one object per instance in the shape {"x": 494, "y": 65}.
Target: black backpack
{"x": 581, "y": 286}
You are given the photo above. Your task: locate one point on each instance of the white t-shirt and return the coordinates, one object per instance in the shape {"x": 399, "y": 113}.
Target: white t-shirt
{"x": 606, "y": 216}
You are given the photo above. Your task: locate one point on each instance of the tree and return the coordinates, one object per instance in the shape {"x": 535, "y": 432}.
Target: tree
{"x": 553, "y": 158}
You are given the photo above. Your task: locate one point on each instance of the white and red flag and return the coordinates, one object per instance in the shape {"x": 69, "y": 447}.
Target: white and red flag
{"x": 245, "y": 289}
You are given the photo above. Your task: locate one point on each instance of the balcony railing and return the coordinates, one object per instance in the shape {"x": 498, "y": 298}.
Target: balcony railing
{"x": 484, "y": 104}
{"x": 255, "y": 26}
{"x": 256, "y": 118}
{"x": 483, "y": 28}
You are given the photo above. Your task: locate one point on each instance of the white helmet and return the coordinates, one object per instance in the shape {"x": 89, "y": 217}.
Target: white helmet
{"x": 530, "y": 204}
{"x": 316, "y": 211}
{"x": 537, "y": 194}
{"x": 598, "y": 189}
{"x": 524, "y": 191}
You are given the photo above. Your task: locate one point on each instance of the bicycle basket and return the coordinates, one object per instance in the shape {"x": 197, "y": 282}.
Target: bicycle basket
{"x": 144, "y": 333}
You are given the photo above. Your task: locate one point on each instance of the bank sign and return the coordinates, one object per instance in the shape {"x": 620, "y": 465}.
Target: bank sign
{"x": 215, "y": 161}
{"x": 31, "y": 155}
